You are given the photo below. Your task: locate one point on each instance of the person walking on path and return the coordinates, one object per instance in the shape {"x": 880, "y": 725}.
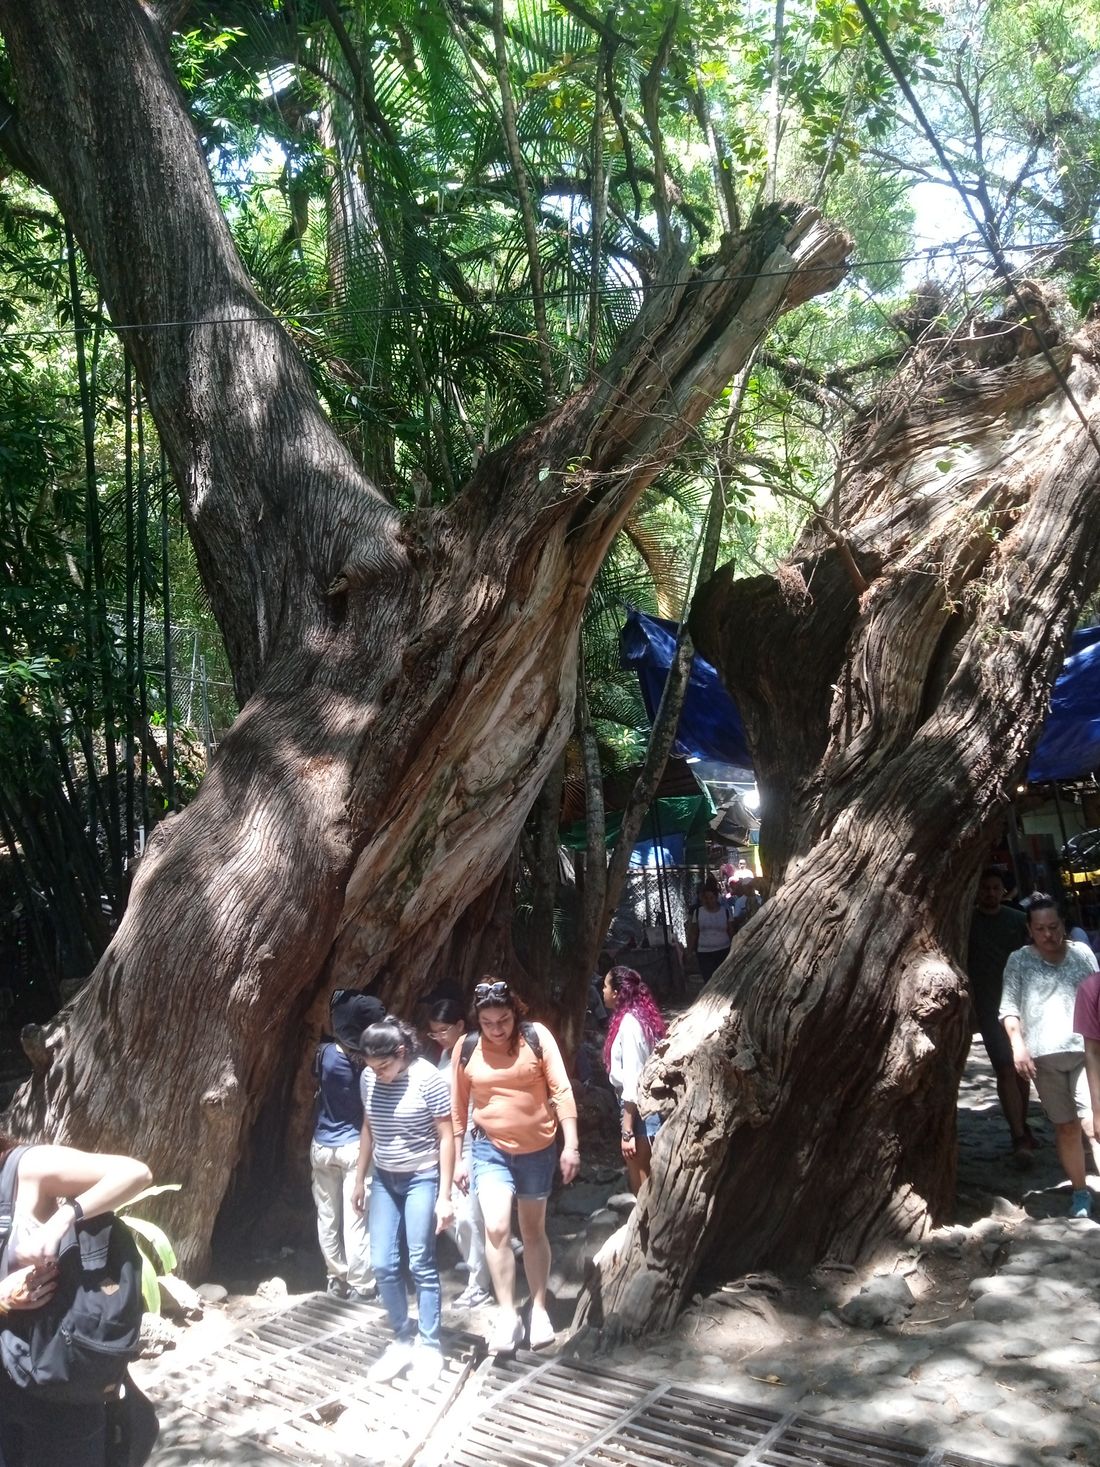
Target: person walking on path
{"x": 636, "y": 1025}
{"x": 996, "y": 932}
{"x": 407, "y": 1134}
{"x": 334, "y": 1151}
{"x": 1037, "y": 1010}
{"x": 710, "y": 930}
{"x": 446, "y": 1026}
{"x": 516, "y": 1082}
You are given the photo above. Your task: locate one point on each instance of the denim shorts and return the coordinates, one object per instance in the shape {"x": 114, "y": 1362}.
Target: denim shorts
{"x": 650, "y": 1124}
{"x": 530, "y": 1175}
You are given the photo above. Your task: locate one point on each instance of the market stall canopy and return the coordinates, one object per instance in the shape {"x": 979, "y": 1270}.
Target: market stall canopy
{"x": 711, "y": 728}
{"x": 1069, "y": 747}
{"x": 734, "y": 824}
{"x": 676, "y": 822}
{"x": 673, "y": 824}
{"x": 710, "y": 725}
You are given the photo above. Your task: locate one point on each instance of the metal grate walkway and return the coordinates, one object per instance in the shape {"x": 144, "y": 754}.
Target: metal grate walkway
{"x": 568, "y": 1414}
{"x": 290, "y": 1388}
{"x": 279, "y": 1385}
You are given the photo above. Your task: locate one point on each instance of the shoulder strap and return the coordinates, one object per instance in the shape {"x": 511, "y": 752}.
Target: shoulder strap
{"x": 528, "y": 1030}
{"x": 469, "y": 1044}
{"x": 9, "y": 1182}
{"x": 531, "y": 1034}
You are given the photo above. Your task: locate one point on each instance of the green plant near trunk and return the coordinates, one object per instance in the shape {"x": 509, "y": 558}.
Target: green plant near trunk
{"x": 158, "y": 1257}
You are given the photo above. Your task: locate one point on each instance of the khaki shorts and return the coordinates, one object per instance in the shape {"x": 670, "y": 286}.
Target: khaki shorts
{"x": 1063, "y": 1086}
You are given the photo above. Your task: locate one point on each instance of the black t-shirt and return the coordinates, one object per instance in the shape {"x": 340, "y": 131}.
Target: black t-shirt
{"x": 994, "y": 937}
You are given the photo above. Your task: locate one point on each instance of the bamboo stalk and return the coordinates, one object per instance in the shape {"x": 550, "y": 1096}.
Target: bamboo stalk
{"x": 128, "y": 748}
{"x": 142, "y": 554}
{"x": 96, "y": 624}
{"x": 169, "y": 724}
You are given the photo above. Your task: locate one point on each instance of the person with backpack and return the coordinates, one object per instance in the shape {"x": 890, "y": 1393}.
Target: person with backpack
{"x": 709, "y": 930}
{"x": 334, "y": 1150}
{"x": 57, "y": 1189}
{"x": 511, "y": 1073}
{"x": 407, "y": 1134}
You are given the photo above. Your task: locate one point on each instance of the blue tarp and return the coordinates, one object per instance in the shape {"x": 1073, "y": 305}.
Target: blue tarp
{"x": 1069, "y": 747}
{"x": 710, "y": 725}
{"x": 711, "y": 728}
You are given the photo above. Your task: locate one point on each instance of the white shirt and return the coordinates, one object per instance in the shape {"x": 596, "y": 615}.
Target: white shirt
{"x": 714, "y": 932}
{"x": 629, "y": 1052}
{"x": 1042, "y": 995}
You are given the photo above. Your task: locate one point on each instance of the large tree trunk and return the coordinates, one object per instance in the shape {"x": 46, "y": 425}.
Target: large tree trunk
{"x": 812, "y": 1088}
{"x": 407, "y": 684}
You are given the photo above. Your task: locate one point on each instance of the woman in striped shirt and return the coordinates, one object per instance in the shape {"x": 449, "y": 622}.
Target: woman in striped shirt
{"x": 407, "y": 1133}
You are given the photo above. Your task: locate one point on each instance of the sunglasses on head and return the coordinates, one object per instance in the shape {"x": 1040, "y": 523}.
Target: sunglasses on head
{"x": 491, "y": 992}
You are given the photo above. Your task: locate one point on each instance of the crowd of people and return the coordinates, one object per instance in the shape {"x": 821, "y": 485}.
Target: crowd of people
{"x": 1036, "y": 992}
{"x": 406, "y": 1147}
{"x": 411, "y": 1147}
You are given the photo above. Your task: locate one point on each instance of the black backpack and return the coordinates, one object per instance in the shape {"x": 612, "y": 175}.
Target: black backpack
{"x": 528, "y": 1030}
{"x": 76, "y": 1348}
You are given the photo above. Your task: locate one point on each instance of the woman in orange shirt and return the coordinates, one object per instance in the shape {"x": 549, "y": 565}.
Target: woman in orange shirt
{"x": 516, "y": 1082}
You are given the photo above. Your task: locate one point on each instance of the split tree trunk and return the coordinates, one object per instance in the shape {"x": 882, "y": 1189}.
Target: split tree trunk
{"x": 811, "y": 1091}
{"x": 406, "y": 683}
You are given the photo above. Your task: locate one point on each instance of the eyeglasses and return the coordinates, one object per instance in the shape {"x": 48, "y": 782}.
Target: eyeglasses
{"x": 491, "y": 992}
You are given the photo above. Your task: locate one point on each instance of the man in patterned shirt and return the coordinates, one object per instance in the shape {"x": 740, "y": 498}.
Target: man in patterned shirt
{"x": 1037, "y": 1010}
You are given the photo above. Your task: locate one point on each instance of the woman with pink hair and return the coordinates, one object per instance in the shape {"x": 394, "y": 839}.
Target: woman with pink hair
{"x": 636, "y": 1026}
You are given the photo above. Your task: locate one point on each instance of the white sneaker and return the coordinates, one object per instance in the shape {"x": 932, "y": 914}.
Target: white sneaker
{"x": 507, "y": 1332}
{"x": 473, "y": 1296}
{"x": 396, "y": 1357}
{"x": 541, "y": 1331}
{"x": 426, "y": 1367}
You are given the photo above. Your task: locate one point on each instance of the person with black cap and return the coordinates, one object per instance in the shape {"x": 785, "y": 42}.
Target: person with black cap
{"x": 334, "y": 1153}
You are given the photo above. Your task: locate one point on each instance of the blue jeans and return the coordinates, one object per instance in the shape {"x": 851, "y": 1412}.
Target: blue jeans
{"x": 409, "y": 1198}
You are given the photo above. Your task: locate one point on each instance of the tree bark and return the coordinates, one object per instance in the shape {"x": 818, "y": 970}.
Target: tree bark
{"x": 811, "y": 1092}
{"x": 544, "y": 864}
{"x": 406, "y": 683}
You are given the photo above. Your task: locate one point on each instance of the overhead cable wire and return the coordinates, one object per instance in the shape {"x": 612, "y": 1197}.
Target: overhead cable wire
{"x": 337, "y": 313}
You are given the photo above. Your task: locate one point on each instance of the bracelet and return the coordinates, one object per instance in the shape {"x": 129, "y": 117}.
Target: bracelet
{"x": 78, "y": 1211}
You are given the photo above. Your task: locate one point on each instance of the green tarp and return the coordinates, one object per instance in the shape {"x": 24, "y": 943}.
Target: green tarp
{"x": 684, "y": 815}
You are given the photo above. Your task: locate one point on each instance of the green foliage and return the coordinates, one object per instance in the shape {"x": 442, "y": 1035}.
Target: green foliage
{"x": 1017, "y": 109}
{"x": 158, "y": 1257}
{"x": 407, "y": 269}
{"x": 80, "y": 567}
{"x": 364, "y": 171}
